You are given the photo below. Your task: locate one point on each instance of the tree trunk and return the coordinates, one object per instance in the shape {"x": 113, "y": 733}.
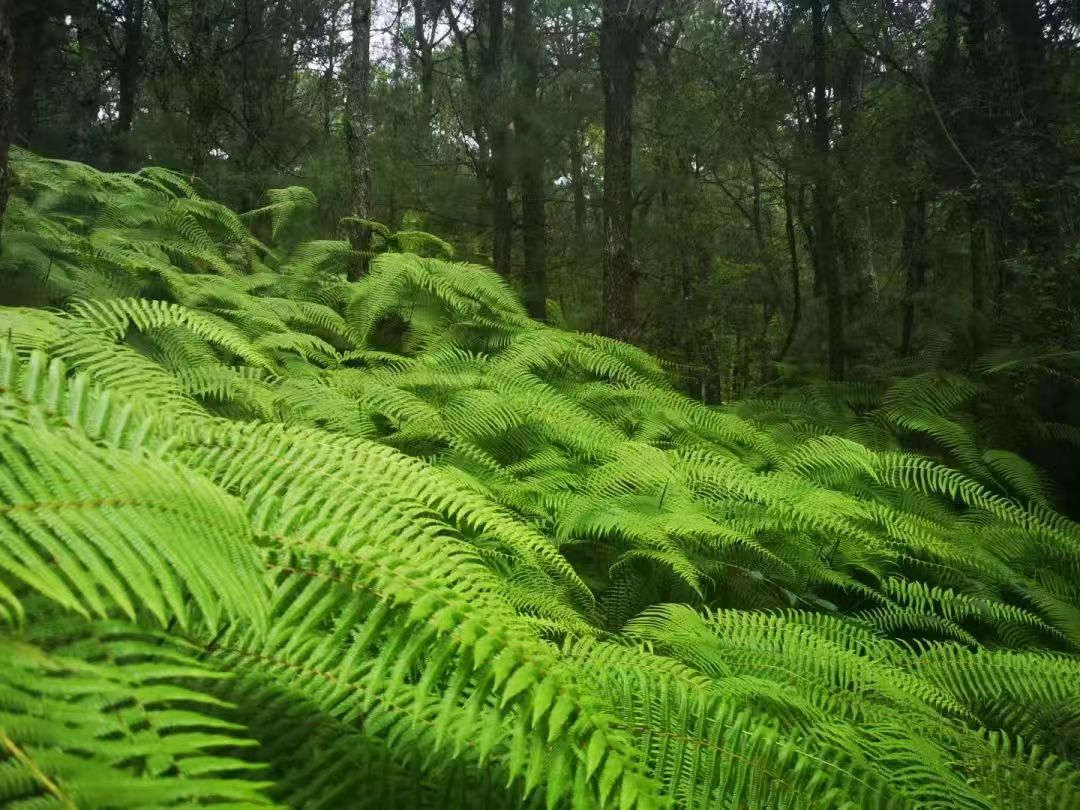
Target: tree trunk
{"x": 981, "y": 130}
{"x": 502, "y": 212}
{"x": 87, "y": 100}
{"x": 7, "y": 102}
{"x": 203, "y": 86}
{"x": 1039, "y": 225}
{"x": 426, "y": 59}
{"x": 982, "y": 259}
{"x": 501, "y": 165}
{"x": 577, "y": 182}
{"x": 761, "y": 225}
{"x": 1025, "y": 29}
{"x": 915, "y": 264}
{"x": 620, "y": 43}
{"x": 329, "y": 75}
{"x": 530, "y": 157}
{"x": 358, "y": 126}
{"x": 793, "y": 263}
{"x": 357, "y": 109}
{"x": 28, "y": 34}
{"x": 824, "y": 231}
{"x": 128, "y": 75}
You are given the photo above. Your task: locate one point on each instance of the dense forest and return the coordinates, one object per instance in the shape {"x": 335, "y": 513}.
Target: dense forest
{"x": 540, "y": 403}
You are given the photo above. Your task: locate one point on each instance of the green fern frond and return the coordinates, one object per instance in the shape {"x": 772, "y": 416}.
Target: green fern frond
{"x": 427, "y": 552}
{"x": 115, "y": 718}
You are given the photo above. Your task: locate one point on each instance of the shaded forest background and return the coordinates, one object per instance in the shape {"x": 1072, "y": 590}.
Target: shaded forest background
{"x": 761, "y": 193}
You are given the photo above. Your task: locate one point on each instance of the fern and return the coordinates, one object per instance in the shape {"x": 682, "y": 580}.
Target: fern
{"x": 268, "y": 535}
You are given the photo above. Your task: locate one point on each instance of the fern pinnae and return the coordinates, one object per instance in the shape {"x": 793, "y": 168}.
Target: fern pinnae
{"x": 424, "y": 549}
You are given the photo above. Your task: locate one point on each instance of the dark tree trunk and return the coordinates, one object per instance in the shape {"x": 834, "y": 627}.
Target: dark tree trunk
{"x": 203, "y": 86}
{"x": 501, "y": 211}
{"x": 357, "y": 109}
{"x": 395, "y": 131}
{"x": 915, "y": 264}
{"x": 761, "y": 225}
{"x": 530, "y": 147}
{"x": 426, "y": 58}
{"x": 853, "y": 243}
{"x": 490, "y": 124}
{"x": 1021, "y": 18}
{"x": 29, "y": 34}
{"x": 1039, "y": 227}
{"x": 980, "y": 131}
{"x": 329, "y": 75}
{"x": 128, "y": 75}
{"x": 501, "y": 165}
{"x": 577, "y": 182}
{"x": 620, "y": 44}
{"x": 7, "y": 102}
{"x": 358, "y": 127}
{"x": 982, "y": 259}
{"x": 793, "y": 264}
{"x": 163, "y": 90}
{"x": 824, "y": 229}
{"x": 87, "y": 100}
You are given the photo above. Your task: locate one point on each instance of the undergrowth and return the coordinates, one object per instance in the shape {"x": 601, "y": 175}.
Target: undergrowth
{"x": 272, "y": 537}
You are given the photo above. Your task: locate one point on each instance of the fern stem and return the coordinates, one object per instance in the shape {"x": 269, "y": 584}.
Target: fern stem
{"x": 39, "y": 774}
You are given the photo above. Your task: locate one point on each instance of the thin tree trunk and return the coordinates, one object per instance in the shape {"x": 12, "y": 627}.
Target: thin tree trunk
{"x": 982, "y": 258}
{"x": 982, "y": 130}
{"x": 793, "y": 263}
{"x": 426, "y": 58}
{"x": 7, "y": 102}
{"x": 502, "y": 212}
{"x": 87, "y": 100}
{"x": 163, "y": 89}
{"x": 501, "y": 165}
{"x": 1039, "y": 226}
{"x": 824, "y": 231}
{"x": 620, "y": 43}
{"x": 128, "y": 75}
{"x": 357, "y": 109}
{"x": 1022, "y": 20}
{"x": 761, "y": 225}
{"x": 914, "y": 260}
{"x": 577, "y": 182}
{"x": 853, "y": 243}
{"x": 358, "y": 126}
{"x": 28, "y": 33}
{"x": 530, "y": 157}
{"x": 330, "y": 72}
{"x": 203, "y": 86}
{"x": 397, "y": 79}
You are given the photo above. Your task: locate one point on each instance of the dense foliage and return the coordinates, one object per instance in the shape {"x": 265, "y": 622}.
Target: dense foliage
{"x": 271, "y": 536}
{"x": 925, "y": 210}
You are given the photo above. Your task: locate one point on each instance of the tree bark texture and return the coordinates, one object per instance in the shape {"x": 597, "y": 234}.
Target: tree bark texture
{"x": 824, "y": 229}
{"x": 915, "y": 263}
{"x": 577, "y": 181}
{"x": 529, "y": 150}
{"x": 501, "y": 165}
{"x": 425, "y": 52}
{"x": 29, "y": 34}
{"x": 128, "y": 75}
{"x": 357, "y": 109}
{"x": 793, "y": 264}
{"x": 621, "y": 30}
{"x": 358, "y": 129}
{"x": 87, "y": 102}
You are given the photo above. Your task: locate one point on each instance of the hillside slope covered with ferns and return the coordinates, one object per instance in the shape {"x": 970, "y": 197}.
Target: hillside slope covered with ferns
{"x": 271, "y": 537}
